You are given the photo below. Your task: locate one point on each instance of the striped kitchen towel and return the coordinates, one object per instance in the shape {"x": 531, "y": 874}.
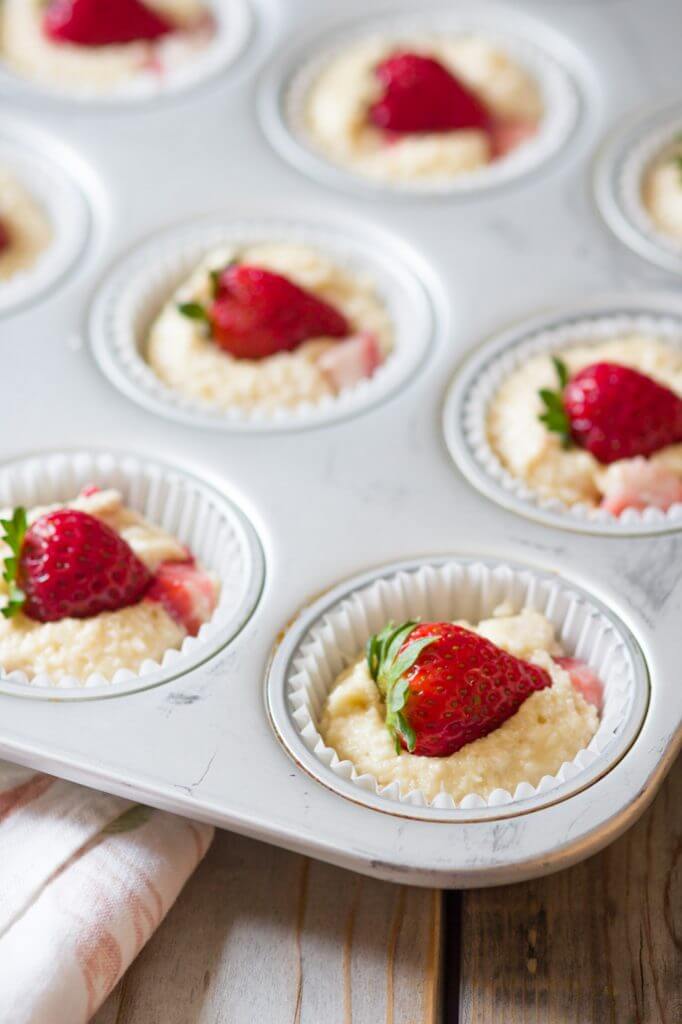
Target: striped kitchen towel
{"x": 85, "y": 879}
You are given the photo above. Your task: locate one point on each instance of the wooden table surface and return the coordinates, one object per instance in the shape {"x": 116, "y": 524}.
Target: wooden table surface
{"x": 261, "y": 936}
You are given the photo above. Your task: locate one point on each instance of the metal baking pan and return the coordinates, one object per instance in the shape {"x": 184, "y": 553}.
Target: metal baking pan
{"x": 376, "y": 488}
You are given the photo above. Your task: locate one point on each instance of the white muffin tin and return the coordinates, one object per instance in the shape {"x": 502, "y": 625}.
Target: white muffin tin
{"x": 375, "y": 489}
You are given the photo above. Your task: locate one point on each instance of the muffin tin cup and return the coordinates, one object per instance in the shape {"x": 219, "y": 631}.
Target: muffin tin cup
{"x": 330, "y": 635}
{"x": 547, "y": 57}
{"x": 210, "y": 524}
{"x": 43, "y": 168}
{"x": 135, "y": 291}
{"x": 621, "y": 166}
{"x": 476, "y": 384}
{"x": 233, "y": 26}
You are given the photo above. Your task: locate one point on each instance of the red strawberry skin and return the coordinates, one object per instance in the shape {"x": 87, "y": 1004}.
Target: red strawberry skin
{"x": 618, "y": 413}
{"x": 103, "y": 22}
{"x": 421, "y": 95}
{"x": 459, "y": 688}
{"x": 257, "y": 313}
{"x": 5, "y": 239}
{"x": 73, "y": 565}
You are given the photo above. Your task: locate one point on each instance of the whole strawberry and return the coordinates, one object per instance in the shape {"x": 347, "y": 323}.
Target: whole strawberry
{"x": 421, "y": 95}
{"x": 444, "y": 686}
{"x": 68, "y": 564}
{"x": 612, "y": 411}
{"x": 256, "y": 313}
{"x": 103, "y": 22}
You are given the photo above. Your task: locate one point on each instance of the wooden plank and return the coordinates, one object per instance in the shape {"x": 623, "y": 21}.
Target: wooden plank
{"x": 598, "y": 944}
{"x": 263, "y": 935}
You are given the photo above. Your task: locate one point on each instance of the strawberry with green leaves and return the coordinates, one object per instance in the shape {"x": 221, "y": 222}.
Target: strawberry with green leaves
{"x": 255, "y": 313}
{"x": 445, "y": 686}
{"x": 612, "y": 411}
{"x": 68, "y": 564}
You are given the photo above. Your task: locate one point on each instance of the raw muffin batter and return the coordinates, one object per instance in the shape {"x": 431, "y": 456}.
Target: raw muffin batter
{"x": 26, "y": 225}
{"x": 662, "y": 191}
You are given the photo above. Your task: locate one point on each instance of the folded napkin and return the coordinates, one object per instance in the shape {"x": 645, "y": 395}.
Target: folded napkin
{"x": 85, "y": 879}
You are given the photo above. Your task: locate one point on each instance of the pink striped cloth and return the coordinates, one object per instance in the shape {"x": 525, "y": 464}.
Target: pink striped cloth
{"x": 85, "y": 879}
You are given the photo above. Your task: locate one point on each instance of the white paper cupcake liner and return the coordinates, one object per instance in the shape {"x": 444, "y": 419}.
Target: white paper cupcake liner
{"x": 546, "y": 57}
{"x": 134, "y": 292}
{"x": 42, "y": 167}
{"x": 213, "y": 528}
{"x": 619, "y": 176}
{"x": 474, "y": 387}
{"x": 233, "y": 26}
{"x": 330, "y": 635}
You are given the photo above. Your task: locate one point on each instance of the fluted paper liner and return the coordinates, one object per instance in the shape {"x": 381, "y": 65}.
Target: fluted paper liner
{"x": 209, "y": 524}
{"x": 625, "y": 174}
{"x": 471, "y": 591}
{"x": 134, "y": 293}
{"x": 284, "y": 96}
{"x": 52, "y": 188}
{"x": 471, "y": 408}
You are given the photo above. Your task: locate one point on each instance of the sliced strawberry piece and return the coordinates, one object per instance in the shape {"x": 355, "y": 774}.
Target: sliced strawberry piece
{"x": 584, "y": 679}
{"x": 103, "y": 22}
{"x": 351, "y": 361}
{"x": 5, "y": 237}
{"x": 89, "y": 490}
{"x": 421, "y": 95}
{"x": 187, "y": 593}
{"x": 68, "y": 564}
{"x": 639, "y": 484}
{"x": 613, "y": 412}
{"x": 257, "y": 313}
{"x": 507, "y": 134}
{"x": 444, "y": 686}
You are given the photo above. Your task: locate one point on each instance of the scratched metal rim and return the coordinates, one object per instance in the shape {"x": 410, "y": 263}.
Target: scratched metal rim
{"x": 196, "y": 510}
{"x": 302, "y": 742}
{"x": 476, "y": 381}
